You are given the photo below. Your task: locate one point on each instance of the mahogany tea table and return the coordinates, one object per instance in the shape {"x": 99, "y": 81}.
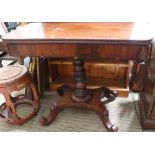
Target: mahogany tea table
{"x": 112, "y": 42}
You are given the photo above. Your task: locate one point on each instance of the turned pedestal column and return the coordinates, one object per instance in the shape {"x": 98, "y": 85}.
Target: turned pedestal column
{"x": 82, "y": 98}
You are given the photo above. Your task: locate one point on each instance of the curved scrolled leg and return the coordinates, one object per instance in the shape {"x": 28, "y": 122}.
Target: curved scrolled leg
{"x": 107, "y": 123}
{"x": 93, "y": 104}
{"x": 104, "y": 116}
{"x": 51, "y": 117}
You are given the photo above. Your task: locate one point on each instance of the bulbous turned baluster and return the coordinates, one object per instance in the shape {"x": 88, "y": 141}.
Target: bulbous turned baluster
{"x": 81, "y": 93}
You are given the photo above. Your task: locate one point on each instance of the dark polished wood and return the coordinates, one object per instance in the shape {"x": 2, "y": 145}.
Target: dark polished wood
{"x": 116, "y": 41}
{"x": 147, "y": 97}
{"x": 81, "y": 93}
{"x": 95, "y": 104}
{"x": 107, "y": 41}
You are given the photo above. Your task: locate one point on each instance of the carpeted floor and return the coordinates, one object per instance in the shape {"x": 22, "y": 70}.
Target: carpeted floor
{"x": 122, "y": 112}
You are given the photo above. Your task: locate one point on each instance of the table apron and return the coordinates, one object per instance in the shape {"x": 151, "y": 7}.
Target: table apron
{"x": 85, "y": 51}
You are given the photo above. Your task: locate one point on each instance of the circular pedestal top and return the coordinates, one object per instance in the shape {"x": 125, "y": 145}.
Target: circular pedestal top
{"x": 9, "y": 73}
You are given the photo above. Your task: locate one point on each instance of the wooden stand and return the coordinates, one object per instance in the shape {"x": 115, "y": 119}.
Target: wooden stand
{"x": 82, "y": 98}
{"x": 14, "y": 78}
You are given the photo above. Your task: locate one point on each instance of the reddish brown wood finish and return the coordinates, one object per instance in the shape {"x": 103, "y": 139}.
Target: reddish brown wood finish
{"x": 86, "y": 51}
{"x": 8, "y": 109}
{"x": 122, "y": 41}
{"x": 124, "y": 32}
{"x": 110, "y": 41}
{"x": 93, "y": 104}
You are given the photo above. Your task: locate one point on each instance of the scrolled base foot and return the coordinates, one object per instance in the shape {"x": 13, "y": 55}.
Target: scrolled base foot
{"x": 93, "y": 104}
{"x": 51, "y": 117}
{"x": 113, "y": 128}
